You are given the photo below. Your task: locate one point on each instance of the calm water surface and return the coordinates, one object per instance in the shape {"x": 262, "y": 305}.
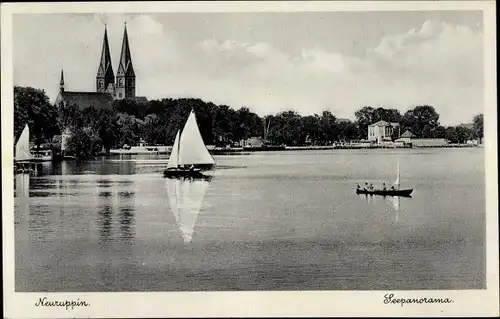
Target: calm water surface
{"x": 266, "y": 221}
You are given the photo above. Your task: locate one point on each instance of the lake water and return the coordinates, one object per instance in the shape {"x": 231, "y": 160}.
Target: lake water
{"x": 266, "y": 221}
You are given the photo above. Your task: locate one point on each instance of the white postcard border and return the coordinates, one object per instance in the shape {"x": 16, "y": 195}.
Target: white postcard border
{"x": 239, "y": 304}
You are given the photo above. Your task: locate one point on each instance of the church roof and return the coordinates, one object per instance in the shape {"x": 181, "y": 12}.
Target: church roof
{"x": 87, "y": 99}
{"x": 408, "y": 134}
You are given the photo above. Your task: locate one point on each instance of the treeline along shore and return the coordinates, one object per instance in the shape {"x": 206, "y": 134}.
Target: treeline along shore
{"x": 94, "y": 129}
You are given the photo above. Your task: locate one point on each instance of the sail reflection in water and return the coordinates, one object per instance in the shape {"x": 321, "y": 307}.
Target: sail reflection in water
{"x": 185, "y": 196}
{"x": 397, "y": 207}
{"x": 22, "y": 186}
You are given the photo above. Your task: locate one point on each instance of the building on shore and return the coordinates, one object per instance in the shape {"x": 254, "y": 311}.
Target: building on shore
{"x": 381, "y": 131}
{"x": 108, "y": 87}
{"x": 408, "y": 138}
{"x": 253, "y": 142}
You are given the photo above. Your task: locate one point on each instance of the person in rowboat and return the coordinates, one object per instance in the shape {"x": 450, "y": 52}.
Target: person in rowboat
{"x": 371, "y": 186}
{"x": 366, "y": 186}
{"x": 384, "y": 187}
{"x": 357, "y": 186}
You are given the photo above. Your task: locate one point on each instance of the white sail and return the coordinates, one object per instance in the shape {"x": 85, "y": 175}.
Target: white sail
{"x": 192, "y": 149}
{"x": 173, "y": 161}
{"x": 23, "y": 146}
{"x": 186, "y": 199}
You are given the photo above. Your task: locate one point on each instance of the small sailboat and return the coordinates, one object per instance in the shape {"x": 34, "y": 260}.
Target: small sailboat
{"x": 186, "y": 198}
{"x": 23, "y": 155}
{"x": 396, "y": 191}
{"x": 189, "y": 154}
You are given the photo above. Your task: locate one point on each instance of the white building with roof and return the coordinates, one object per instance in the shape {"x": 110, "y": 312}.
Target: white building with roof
{"x": 381, "y": 131}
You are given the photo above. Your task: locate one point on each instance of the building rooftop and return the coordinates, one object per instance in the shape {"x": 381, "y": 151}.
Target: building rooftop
{"x": 88, "y": 99}
{"x": 407, "y": 134}
{"x": 380, "y": 123}
{"x": 384, "y": 123}
{"x": 141, "y": 99}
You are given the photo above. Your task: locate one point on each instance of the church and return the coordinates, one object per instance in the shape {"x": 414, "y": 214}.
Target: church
{"x": 108, "y": 87}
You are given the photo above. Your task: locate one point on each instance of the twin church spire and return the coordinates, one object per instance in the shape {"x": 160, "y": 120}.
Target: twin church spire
{"x": 124, "y": 86}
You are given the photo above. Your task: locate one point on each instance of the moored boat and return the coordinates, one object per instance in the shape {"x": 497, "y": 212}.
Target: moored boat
{"x": 42, "y": 155}
{"x": 23, "y": 156}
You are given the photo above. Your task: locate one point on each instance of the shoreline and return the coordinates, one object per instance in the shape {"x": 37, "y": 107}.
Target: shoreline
{"x": 247, "y": 151}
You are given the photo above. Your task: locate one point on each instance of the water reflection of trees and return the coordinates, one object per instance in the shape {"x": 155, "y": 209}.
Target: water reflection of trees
{"x": 103, "y": 166}
{"x": 114, "y": 203}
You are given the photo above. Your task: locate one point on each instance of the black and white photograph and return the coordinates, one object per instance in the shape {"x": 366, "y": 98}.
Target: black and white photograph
{"x": 200, "y": 153}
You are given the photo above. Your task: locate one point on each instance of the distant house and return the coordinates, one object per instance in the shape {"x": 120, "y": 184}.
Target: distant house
{"x": 253, "y": 142}
{"x": 410, "y": 138}
{"x": 429, "y": 142}
{"x": 406, "y": 137}
{"x": 381, "y": 131}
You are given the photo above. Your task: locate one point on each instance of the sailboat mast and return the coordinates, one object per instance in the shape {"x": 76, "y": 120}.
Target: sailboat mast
{"x": 398, "y": 177}
{"x": 178, "y": 148}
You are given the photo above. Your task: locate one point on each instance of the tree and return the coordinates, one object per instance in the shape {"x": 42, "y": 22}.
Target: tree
{"x": 463, "y": 134}
{"x": 364, "y": 117}
{"x": 83, "y": 143}
{"x": 421, "y": 120}
{"x": 129, "y": 128}
{"x": 438, "y": 132}
{"x": 451, "y": 134}
{"x": 151, "y": 132}
{"x": 327, "y": 131}
{"x": 347, "y": 131}
{"x": 32, "y": 107}
{"x": 310, "y": 126}
{"x": 106, "y": 127}
{"x": 478, "y": 127}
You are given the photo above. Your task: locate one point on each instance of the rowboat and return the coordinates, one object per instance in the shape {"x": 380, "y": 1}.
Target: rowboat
{"x": 389, "y": 192}
{"x": 395, "y": 191}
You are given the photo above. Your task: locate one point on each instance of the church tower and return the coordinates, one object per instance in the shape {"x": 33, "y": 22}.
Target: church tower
{"x": 105, "y": 75}
{"x": 125, "y": 76}
{"x": 61, "y": 82}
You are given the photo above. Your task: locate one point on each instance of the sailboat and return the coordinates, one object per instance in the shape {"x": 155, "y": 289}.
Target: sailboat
{"x": 23, "y": 155}
{"x": 189, "y": 154}
{"x": 396, "y": 191}
{"x": 186, "y": 198}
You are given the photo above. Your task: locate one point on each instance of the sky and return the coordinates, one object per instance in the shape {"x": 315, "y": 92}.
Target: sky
{"x": 270, "y": 61}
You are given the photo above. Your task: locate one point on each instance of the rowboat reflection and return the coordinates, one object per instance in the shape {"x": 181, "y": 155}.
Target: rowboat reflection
{"x": 185, "y": 196}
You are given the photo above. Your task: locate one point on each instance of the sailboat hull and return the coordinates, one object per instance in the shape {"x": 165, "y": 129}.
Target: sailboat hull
{"x": 398, "y": 192}
{"x": 179, "y": 172}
